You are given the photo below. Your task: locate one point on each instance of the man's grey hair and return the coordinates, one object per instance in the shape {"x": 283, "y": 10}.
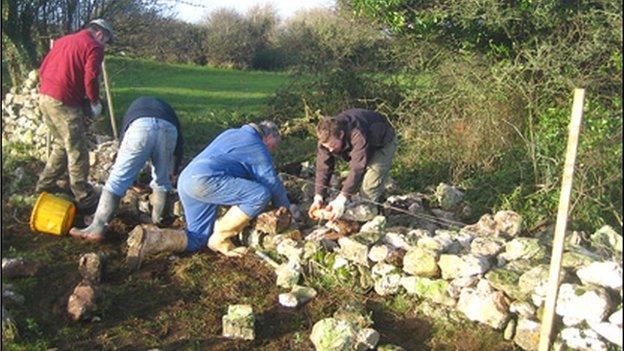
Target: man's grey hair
{"x": 269, "y": 128}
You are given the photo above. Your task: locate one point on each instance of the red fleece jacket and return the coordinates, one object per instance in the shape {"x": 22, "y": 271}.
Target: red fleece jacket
{"x": 71, "y": 69}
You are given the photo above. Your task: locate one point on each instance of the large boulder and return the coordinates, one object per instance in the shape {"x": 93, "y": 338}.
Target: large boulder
{"x": 582, "y": 339}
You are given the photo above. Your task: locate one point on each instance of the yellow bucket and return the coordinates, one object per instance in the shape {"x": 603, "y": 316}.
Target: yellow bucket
{"x": 52, "y": 215}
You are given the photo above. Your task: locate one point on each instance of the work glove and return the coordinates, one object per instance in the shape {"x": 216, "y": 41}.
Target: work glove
{"x": 316, "y": 205}
{"x": 96, "y": 109}
{"x": 337, "y": 206}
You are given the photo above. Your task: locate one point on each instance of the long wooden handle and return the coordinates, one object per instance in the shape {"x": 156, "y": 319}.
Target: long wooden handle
{"x": 111, "y": 112}
{"x": 562, "y": 218}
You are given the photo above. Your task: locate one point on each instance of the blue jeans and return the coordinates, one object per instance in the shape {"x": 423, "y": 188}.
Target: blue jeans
{"x": 146, "y": 138}
{"x": 202, "y": 195}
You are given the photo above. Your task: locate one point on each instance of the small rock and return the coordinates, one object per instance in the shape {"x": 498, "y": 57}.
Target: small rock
{"x": 288, "y": 275}
{"x": 397, "y": 240}
{"x": 83, "y": 301}
{"x": 527, "y": 334}
{"x": 453, "y": 266}
{"x": 367, "y": 339}
{"x": 298, "y": 296}
{"x": 291, "y": 249}
{"x": 508, "y": 224}
{"x": 506, "y": 281}
{"x": 360, "y": 212}
{"x": 484, "y": 305}
{"x": 607, "y": 237}
{"x": 18, "y": 267}
{"x": 582, "y": 339}
{"x": 340, "y": 228}
{"x": 331, "y": 334}
{"x": 575, "y": 260}
{"x": 523, "y": 248}
{"x": 381, "y": 269}
{"x": 91, "y": 267}
{"x": 436, "y": 290}
{"x": 379, "y": 252}
{"x": 571, "y": 296}
{"x": 274, "y": 222}
{"x": 375, "y": 225}
{"x": 355, "y": 248}
{"x": 448, "y": 196}
{"x": 421, "y": 262}
{"x": 388, "y": 284}
{"x": 606, "y": 274}
{"x": 238, "y": 323}
{"x": 611, "y": 332}
{"x": 486, "y": 246}
{"x": 486, "y": 226}
{"x": 355, "y": 313}
{"x": 510, "y": 330}
{"x": 522, "y": 308}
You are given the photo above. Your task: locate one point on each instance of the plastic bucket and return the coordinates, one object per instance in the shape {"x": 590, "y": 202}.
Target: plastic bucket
{"x": 52, "y": 215}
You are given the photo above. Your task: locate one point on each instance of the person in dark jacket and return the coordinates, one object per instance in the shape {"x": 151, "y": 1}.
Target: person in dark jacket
{"x": 69, "y": 72}
{"x": 368, "y": 142}
{"x": 151, "y": 131}
{"x": 235, "y": 170}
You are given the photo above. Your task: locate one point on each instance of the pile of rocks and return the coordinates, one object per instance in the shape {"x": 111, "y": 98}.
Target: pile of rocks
{"x": 491, "y": 271}
{"x": 21, "y": 118}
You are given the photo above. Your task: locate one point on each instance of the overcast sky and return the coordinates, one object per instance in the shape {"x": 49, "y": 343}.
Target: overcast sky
{"x": 285, "y": 8}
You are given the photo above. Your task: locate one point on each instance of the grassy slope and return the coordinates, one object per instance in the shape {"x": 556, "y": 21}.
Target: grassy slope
{"x": 178, "y": 304}
{"x": 206, "y": 99}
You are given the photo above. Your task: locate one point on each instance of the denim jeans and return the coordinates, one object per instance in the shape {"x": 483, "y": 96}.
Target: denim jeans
{"x": 146, "y": 138}
{"x": 201, "y": 196}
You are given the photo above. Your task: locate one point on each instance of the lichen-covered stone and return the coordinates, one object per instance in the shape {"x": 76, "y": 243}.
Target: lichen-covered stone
{"x": 486, "y": 246}
{"x": 238, "y": 323}
{"x": 388, "y": 284}
{"x": 376, "y": 225}
{"x": 572, "y": 297}
{"x": 453, "y": 266}
{"x": 297, "y": 296}
{"x": 506, "y": 281}
{"x": 448, "y": 196}
{"x": 421, "y": 262}
{"x": 434, "y": 290}
{"x": 484, "y": 305}
{"x": 523, "y": 248}
{"x": 331, "y": 334}
{"x": 527, "y": 334}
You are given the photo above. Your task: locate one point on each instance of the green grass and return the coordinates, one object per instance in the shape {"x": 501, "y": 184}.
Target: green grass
{"x": 207, "y": 100}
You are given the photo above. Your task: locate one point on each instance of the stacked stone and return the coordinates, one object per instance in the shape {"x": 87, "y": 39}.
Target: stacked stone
{"x": 21, "y": 118}
{"x": 490, "y": 271}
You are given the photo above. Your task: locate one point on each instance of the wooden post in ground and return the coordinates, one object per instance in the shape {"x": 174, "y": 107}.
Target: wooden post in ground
{"x": 48, "y": 134}
{"x": 111, "y": 112}
{"x": 562, "y": 218}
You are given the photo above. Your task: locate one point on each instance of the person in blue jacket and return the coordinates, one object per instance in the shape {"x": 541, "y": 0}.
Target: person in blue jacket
{"x": 235, "y": 170}
{"x": 151, "y": 131}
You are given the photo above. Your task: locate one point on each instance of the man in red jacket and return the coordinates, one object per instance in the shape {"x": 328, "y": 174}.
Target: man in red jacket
{"x": 69, "y": 72}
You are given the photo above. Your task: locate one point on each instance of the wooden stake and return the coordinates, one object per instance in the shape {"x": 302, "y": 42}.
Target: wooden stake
{"x": 49, "y": 134}
{"x": 562, "y": 218}
{"x": 111, "y": 112}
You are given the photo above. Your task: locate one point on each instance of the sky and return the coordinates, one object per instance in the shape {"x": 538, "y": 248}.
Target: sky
{"x": 194, "y": 10}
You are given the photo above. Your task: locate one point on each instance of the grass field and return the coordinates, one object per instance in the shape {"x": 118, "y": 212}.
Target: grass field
{"x": 207, "y": 100}
{"x": 176, "y": 302}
